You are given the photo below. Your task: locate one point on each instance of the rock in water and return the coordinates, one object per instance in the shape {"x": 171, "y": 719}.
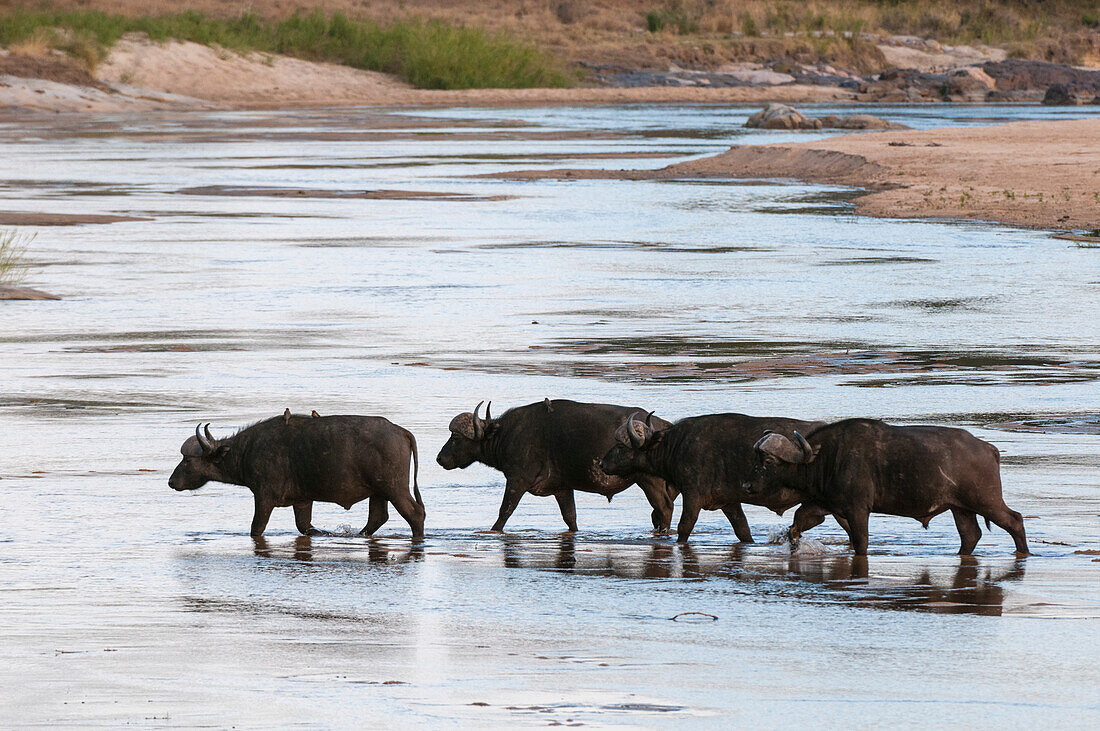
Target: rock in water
{"x": 780, "y": 116}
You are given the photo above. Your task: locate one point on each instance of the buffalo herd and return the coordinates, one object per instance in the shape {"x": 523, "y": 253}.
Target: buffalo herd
{"x": 847, "y": 469}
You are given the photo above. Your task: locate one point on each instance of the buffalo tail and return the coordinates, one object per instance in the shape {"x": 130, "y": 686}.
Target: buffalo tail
{"x": 416, "y": 468}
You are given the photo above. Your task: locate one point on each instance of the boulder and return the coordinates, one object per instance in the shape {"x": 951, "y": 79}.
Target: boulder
{"x": 1062, "y": 95}
{"x": 968, "y": 84}
{"x": 858, "y": 121}
{"x": 781, "y": 116}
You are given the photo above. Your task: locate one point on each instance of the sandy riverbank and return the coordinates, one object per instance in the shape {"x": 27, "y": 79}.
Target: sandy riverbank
{"x": 141, "y": 75}
{"x": 1036, "y": 174}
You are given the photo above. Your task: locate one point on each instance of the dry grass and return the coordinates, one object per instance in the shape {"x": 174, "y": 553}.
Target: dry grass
{"x": 13, "y": 262}
{"x": 702, "y": 32}
{"x": 37, "y": 45}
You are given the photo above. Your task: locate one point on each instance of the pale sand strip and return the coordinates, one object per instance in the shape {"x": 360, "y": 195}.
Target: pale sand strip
{"x": 1042, "y": 174}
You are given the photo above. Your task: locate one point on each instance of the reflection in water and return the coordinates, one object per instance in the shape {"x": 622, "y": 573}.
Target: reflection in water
{"x": 835, "y": 579}
{"x": 303, "y": 548}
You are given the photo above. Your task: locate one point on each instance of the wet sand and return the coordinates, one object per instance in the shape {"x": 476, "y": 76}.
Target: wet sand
{"x": 1037, "y": 174}
{"x": 276, "y": 192}
{"x": 26, "y": 218}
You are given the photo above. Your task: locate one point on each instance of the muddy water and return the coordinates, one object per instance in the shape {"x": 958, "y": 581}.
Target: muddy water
{"x": 124, "y": 602}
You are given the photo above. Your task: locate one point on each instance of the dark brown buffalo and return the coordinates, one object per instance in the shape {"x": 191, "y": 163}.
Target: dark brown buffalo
{"x": 296, "y": 460}
{"x": 861, "y": 466}
{"x": 550, "y": 448}
{"x": 705, "y": 458}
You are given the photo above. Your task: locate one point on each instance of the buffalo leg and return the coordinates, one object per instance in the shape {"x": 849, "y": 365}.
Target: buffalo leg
{"x": 411, "y": 511}
{"x": 969, "y": 532}
{"x": 688, "y": 515}
{"x": 512, "y": 494}
{"x": 1011, "y": 521}
{"x": 857, "y": 530}
{"x": 736, "y": 516}
{"x": 377, "y": 516}
{"x": 262, "y": 514}
{"x": 661, "y": 497}
{"x": 303, "y": 519}
{"x": 806, "y": 517}
{"x": 568, "y": 509}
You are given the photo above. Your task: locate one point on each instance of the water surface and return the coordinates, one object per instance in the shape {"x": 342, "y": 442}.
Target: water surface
{"x": 124, "y": 602}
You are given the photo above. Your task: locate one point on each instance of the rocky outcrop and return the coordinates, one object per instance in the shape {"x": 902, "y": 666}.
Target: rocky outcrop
{"x": 968, "y": 84}
{"x": 1065, "y": 95}
{"x": 1018, "y": 74}
{"x": 782, "y": 116}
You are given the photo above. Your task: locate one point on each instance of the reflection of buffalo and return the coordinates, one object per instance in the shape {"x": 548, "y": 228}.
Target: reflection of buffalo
{"x": 971, "y": 589}
{"x": 302, "y": 549}
{"x": 550, "y": 448}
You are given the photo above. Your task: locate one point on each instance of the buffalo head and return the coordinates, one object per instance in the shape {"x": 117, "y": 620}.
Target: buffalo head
{"x": 633, "y": 440}
{"x": 468, "y": 432}
{"x": 201, "y": 463}
{"x": 772, "y": 453}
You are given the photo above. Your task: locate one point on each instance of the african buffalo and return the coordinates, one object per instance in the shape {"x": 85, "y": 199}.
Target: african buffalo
{"x": 706, "y": 458}
{"x": 549, "y": 448}
{"x": 295, "y": 460}
{"x": 861, "y": 466}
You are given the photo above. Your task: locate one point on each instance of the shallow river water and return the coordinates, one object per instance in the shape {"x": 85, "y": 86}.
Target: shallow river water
{"x": 122, "y": 601}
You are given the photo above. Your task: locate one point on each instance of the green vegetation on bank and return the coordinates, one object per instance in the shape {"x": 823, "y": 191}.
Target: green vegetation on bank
{"x": 427, "y": 54}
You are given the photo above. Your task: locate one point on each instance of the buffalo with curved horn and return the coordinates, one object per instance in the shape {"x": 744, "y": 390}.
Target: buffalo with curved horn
{"x": 856, "y": 467}
{"x": 296, "y": 460}
{"x": 550, "y": 448}
{"x": 706, "y": 459}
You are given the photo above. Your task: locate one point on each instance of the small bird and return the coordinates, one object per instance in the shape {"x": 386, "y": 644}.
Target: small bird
{"x": 286, "y": 416}
{"x": 314, "y": 414}
{"x": 549, "y": 406}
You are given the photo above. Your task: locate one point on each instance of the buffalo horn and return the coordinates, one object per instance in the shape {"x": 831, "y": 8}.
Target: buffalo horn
{"x": 636, "y": 439}
{"x": 807, "y": 450}
{"x": 204, "y": 441}
{"x": 479, "y": 425}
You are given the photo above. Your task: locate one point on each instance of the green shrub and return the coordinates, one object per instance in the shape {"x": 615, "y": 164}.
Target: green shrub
{"x": 432, "y": 54}
{"x": 672, "y": 17}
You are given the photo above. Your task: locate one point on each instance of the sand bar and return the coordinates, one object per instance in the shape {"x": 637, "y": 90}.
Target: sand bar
{"x": 1037, "y": 174}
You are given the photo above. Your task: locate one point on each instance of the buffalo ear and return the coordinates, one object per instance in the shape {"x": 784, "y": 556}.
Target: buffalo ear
{"x": 219, "y": 452}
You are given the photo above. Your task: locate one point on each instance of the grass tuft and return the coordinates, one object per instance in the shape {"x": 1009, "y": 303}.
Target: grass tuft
{"x": 428, "y": 54}
{"x": 13, "y": 262}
